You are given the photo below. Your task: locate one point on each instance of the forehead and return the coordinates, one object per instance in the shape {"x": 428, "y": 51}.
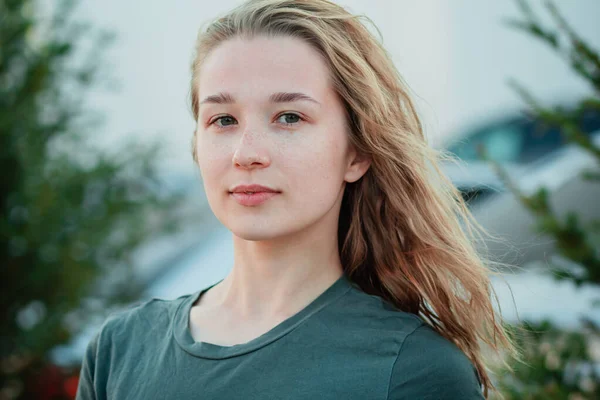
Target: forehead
{"x": 263, "y": 65}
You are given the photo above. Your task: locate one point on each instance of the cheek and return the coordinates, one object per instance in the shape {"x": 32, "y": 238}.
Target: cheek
{"x": 213, "y": 158}
{"x": 314, "y": 168}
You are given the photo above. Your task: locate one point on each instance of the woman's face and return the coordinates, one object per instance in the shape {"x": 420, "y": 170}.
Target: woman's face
{"x": 269, "y": 116}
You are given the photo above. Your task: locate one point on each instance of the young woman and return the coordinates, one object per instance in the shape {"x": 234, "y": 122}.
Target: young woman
{"x": 354, "y": 274}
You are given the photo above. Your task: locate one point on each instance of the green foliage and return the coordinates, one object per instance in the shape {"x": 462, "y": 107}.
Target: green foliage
{"x": 560, "y": 364}
{"x": 581, "y": 57}
{"x": 574, "y": 241}
{"x": 71, "y": 216}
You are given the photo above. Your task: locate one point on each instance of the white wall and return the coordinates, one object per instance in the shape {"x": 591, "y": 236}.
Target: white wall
{"x": 455, "y": 55}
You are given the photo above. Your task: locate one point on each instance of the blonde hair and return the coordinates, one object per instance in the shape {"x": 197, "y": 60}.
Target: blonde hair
{"x": 405, "y": 233}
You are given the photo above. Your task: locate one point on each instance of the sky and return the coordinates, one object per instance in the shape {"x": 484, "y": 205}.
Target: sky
{"x": 456, "y": 56}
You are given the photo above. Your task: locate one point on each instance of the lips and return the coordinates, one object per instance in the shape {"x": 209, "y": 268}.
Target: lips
{"x": 252, "y": 195}
{"x": 253, "y": 189}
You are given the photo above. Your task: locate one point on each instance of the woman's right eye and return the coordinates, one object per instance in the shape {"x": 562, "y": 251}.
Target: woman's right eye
{"x": 226, "y": 120}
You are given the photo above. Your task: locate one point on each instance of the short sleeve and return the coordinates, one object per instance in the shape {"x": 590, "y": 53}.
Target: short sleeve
{"x": 429, "y": 366}
{"x": 85, "y": 388}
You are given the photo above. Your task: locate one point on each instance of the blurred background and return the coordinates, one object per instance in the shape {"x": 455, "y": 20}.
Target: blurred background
{"x": 101, "y": 206}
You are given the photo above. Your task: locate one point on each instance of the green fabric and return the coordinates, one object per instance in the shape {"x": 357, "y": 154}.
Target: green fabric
{"x": 346, "y": 344}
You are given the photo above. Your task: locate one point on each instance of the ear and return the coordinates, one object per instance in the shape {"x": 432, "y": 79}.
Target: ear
{"x": 358, "y": 165}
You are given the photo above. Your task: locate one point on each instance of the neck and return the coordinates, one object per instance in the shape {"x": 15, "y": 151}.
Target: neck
{"x": 277, "y": 278}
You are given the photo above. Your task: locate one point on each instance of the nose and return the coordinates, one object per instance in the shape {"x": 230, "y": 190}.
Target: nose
{"x": 249, "y": 153}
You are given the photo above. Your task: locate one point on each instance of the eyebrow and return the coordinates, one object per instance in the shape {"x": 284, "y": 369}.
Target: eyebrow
{"x": 279, "y": 97}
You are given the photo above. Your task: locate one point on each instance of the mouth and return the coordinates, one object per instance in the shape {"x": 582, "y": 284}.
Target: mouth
{"x": 252, "y": 198}
{"x": 252, "y": 194}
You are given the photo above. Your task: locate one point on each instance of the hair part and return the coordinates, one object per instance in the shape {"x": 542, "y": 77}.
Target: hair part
{"x": 405, "y": 233}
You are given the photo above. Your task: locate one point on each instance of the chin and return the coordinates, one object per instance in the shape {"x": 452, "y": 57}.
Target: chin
{"x": 256, "y": 231}
{"x": 255, "y": 235}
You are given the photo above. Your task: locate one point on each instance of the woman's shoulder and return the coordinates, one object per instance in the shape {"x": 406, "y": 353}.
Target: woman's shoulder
{"x": 121, "y": 340}
{"x": 429, "y": 365}
{"x": 140, "y": 317}
{"x": 361, "y": 308}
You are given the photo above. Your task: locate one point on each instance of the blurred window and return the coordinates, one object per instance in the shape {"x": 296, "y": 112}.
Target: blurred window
{"x": 590, "y": 121}
{"x": 519, "y": 140}
{"x": 540, "y": 140}
{"x": 503, "y": 143}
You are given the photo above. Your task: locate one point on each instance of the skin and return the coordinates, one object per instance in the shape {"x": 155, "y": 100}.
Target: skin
{"x": 285, "y": 250}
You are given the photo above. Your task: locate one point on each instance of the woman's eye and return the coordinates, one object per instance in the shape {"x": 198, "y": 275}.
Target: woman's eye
{"x": 289, "y": 118}
{"x": 225, "y": 121}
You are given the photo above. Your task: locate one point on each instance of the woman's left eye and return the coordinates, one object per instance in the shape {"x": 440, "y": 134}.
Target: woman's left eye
{"x": 290, "y": 118}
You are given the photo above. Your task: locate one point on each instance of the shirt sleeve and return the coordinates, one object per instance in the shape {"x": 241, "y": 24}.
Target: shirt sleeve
{"x": 85, "y": 388}
{"x": 429, "y": 366}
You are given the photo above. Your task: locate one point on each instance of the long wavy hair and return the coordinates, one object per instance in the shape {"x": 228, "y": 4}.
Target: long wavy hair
{"x": 405, "y": 233}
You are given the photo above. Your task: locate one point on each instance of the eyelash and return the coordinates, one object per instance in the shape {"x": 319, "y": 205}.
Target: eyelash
{"x": 279, "y": 116}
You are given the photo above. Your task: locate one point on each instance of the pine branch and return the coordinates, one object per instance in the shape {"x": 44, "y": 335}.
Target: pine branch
{"x": 583, "y": 58}
{"x": 572, "y": 240}
{"x": 563, "y": 119}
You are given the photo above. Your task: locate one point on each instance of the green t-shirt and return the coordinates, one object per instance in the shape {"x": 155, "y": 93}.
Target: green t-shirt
{"x": 346, "y": 344}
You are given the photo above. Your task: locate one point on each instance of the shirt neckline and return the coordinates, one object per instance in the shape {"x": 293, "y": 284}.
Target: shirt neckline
{"x": 184, "y": 339}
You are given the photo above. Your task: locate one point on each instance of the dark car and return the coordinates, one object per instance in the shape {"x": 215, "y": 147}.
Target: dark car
{"x": 534, "y": 155}
{"x": 517, "y": 141}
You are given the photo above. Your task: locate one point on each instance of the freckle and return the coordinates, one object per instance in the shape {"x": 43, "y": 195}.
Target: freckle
{"x": 279, "y": 148}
